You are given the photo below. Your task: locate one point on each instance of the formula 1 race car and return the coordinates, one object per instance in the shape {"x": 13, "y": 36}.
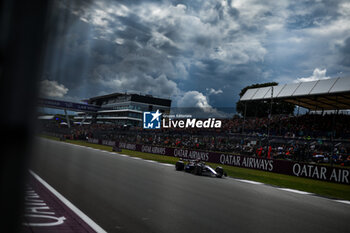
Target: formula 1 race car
{"x": 198, "y": 167}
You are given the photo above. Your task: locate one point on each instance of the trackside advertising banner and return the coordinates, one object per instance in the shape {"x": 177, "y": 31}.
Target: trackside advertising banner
{"x": 312, "y": 171}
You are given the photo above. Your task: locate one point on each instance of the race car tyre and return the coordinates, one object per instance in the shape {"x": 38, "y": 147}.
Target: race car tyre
{"x": 219, "y": 171}
{"x": 179, "y": 166}
{"x": 198, "y": 170}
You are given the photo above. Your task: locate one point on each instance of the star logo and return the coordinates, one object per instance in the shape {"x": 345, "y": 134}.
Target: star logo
{"x": 151, "y": 120}
{"x": 156, "y": 115}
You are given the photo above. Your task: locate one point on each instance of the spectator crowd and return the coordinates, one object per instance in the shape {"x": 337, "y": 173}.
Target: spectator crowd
{"x": 318, "y": 138}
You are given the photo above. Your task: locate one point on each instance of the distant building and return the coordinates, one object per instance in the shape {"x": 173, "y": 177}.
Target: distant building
{"x": 123, "y": 108}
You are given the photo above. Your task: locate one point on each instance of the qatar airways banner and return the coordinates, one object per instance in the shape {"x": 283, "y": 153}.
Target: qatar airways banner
{"x": 326, "y": 173}
{"x": 108, "y": 143}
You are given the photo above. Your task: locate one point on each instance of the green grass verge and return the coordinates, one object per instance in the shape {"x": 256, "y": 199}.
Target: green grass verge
{"x": 327, "y": 189}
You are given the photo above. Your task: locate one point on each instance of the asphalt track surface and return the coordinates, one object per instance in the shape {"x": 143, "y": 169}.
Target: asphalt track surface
{"x": 122, "y": 194}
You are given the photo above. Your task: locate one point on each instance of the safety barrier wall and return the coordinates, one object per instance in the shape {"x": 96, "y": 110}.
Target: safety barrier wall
{"x": 307, "y": 170}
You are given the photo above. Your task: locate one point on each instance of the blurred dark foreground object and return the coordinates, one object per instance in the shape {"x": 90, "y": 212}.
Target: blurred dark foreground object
{"x": 23, "y": 35}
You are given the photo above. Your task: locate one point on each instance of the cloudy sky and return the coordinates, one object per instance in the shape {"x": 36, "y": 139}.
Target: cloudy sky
{"x": 198, "y": 53}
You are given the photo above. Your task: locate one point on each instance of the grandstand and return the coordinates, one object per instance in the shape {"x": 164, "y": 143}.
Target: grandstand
{"x": 318, "y": 96}
{"x": 329, "y": 94}
{"x": 321, "y": 95}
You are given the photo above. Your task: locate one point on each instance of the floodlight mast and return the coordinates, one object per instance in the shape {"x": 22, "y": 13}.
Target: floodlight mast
{"x": 269, "y": 119}
{"x": 244, "y": 115}
{"x": 67, "y": 117}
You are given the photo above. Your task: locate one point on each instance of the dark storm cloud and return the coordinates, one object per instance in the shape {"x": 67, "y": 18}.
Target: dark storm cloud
{"x": 313, "y": 13}
{"x": 345, "y": 53}
{"x": 234, "y": 13}
{"x": 135, "y": 29}
{"x": 185, "y": 48}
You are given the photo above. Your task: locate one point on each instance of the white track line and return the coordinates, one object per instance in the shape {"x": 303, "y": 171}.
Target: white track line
{"x": 167, "y": 164}
{"x": 343, "y": 201}
{"x": 83, "y": 216}
{"x": 122, "y": 155}
{"x": 294, "y": 191}
{"x": 249, "y": 181}
{"x": 150, "y": 161}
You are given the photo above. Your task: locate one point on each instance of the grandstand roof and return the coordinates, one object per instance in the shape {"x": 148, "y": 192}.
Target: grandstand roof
{"x": 329, "y": 94}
